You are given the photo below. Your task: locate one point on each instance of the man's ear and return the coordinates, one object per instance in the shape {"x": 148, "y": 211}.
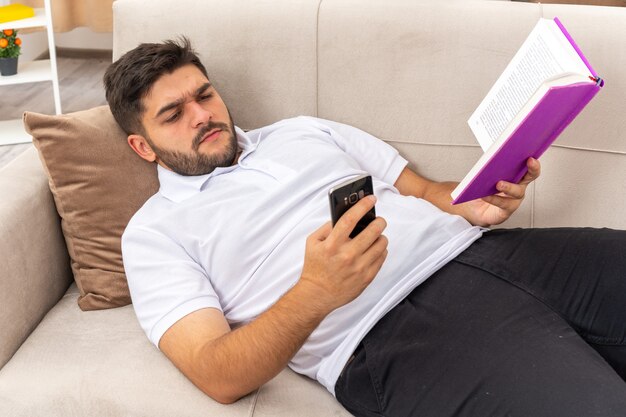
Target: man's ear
{"x": 140, "y": 145}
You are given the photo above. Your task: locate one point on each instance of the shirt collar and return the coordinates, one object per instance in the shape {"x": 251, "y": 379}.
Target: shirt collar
{"x": 176, "y": 187}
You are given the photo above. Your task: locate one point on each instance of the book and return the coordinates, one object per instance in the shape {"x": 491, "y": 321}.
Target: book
{"x": 15, "y": 12}
{"x": 541, "y": 91}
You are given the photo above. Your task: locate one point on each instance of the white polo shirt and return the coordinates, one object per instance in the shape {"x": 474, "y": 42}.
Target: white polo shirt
{"x": 234, "y": 239}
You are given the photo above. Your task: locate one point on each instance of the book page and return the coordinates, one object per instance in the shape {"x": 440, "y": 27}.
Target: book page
{"x": 541, "y": 57}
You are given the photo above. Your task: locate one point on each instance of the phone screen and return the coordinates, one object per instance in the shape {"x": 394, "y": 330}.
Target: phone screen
{"x": 347, "y": 194}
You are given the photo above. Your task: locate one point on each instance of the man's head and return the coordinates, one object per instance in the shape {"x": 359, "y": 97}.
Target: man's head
{"x": 160, "y": 94}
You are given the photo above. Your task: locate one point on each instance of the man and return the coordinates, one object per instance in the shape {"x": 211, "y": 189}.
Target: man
{"x": 235, "y": 271}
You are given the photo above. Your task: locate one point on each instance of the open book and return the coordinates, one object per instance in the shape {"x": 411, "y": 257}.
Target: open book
{"x": 544, "y": 87}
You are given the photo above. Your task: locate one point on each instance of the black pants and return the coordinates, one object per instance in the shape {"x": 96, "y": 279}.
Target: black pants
{"x": 528, "y": 323}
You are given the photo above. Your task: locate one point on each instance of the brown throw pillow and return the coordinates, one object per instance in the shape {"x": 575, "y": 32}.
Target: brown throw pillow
{"x": 98, "y": 183}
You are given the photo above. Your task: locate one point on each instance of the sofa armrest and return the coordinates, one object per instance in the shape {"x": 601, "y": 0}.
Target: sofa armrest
{"x": 35, "y": 264}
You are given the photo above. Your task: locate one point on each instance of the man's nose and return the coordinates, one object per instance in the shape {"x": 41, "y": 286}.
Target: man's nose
{"x": 199, "y": 114}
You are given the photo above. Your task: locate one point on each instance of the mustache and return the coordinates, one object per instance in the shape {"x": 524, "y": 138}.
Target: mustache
{"x": 206, "y": 129}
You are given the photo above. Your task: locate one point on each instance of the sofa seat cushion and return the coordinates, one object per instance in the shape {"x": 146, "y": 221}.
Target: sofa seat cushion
{"x": 99, "y": 363}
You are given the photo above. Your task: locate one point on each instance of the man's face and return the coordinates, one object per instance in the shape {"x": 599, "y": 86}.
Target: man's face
{"x": 188, "y": 127}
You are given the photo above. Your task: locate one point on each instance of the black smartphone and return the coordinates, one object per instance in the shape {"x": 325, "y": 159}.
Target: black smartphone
{"x": 347, "y": 194}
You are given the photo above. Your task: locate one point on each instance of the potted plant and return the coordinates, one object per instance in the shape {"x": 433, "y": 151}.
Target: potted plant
{"x": 9, "y": 51}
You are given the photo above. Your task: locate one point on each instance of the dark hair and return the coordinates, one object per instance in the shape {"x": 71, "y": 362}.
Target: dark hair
{"x": 129, "y": 79}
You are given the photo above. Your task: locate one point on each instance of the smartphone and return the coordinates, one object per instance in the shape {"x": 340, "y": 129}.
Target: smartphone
{"x": 347, "y": 194}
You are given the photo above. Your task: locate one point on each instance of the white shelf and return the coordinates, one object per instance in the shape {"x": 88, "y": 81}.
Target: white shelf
{"x": 12, "y": 132}
{"x": 29, "y": 72}
{"x": 38, "y": 20}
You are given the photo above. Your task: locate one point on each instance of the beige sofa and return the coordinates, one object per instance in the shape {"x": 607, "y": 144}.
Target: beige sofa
{"x": 410, "y": 72}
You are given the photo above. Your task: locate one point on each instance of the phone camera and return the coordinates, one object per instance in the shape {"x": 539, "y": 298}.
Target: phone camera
{"x": 353, "y": 198}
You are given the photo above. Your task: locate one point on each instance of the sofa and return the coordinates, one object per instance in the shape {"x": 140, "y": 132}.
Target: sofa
{"x": 409, "y": 72}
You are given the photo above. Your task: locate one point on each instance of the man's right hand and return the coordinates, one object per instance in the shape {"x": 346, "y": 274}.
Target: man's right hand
{"x": 227, "y": 364}
{"x": 338, "y": 268}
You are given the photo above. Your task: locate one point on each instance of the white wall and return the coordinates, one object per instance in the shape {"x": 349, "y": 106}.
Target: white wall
{"x": 35, "y": 44}
{"x": 84, "y": 38}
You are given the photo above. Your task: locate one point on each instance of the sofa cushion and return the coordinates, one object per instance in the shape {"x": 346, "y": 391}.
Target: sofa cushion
{"x": 100, "y": 363}
{"x": 98, "y": 183}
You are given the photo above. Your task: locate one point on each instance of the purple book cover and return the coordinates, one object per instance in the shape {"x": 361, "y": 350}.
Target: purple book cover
{"x": 552, "y": 114}
{"x": 545, "y": 122}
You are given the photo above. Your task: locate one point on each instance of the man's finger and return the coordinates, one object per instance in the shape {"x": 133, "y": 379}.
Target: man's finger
{"x": 377, "y": 263}
{"x": 512, "y": 190}
{"x": 369, "y": 235}
{"x": 350, "y": 218}
{"x": 499, "y": 201}
{"x": 534, "y": 171}
{"x": 377, "y": 248}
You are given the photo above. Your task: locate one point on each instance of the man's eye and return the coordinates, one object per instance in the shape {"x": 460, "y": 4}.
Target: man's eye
{"x": 205, "y": 97}
{"x": 173, "y": 117}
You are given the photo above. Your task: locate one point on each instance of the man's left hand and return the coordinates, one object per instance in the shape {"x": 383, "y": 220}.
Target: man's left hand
{"x": 497, "y": 208}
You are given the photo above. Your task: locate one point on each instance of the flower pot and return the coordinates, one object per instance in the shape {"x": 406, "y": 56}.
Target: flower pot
{"x": 8, "y": 66}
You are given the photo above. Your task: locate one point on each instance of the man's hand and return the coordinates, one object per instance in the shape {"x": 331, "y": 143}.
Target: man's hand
{"x": 487, "y": 211}
{"x": 339, "y": 268}
{"x": 227, "y": 364}
{"x": 497, "y": 208}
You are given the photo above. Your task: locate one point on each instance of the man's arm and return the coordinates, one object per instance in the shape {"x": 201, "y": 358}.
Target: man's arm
{"x": 227, "y": 365}
{"x": 487, "y": 211}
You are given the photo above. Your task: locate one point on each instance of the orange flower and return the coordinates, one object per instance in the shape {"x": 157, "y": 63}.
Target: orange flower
{"x": 4, "y": 43}
{"x": 18, "y": 41}
{"x": 8, "y": 32}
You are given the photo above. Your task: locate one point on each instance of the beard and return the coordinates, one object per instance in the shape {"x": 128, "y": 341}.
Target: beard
{"x": 195, "y": 162}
